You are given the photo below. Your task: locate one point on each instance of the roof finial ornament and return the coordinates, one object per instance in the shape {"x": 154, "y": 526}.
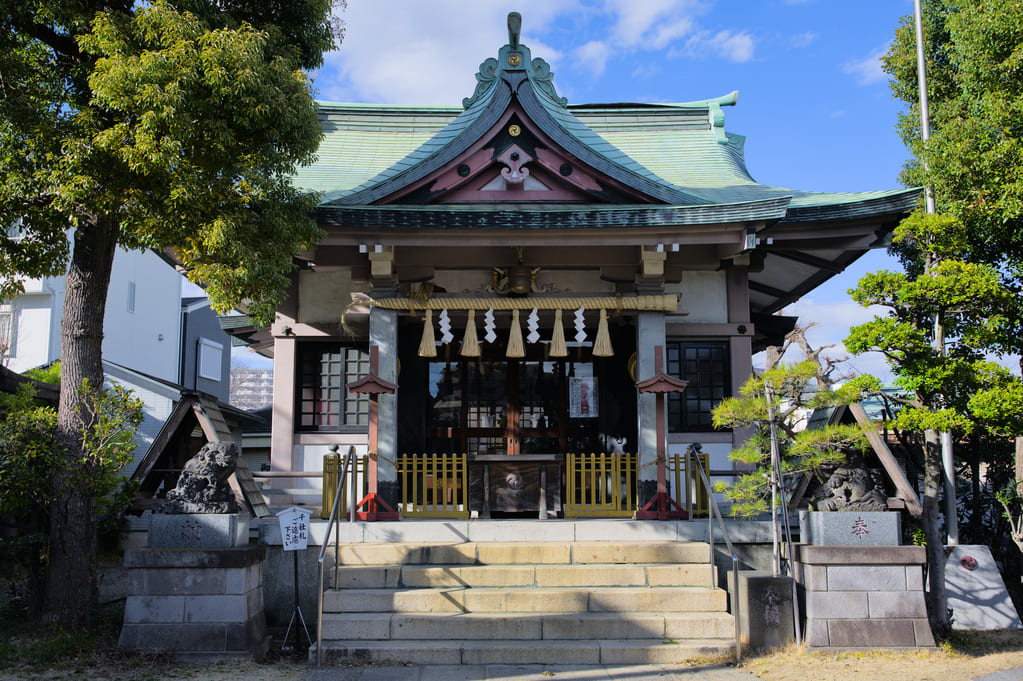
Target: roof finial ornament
{"x": 514, "y": 28}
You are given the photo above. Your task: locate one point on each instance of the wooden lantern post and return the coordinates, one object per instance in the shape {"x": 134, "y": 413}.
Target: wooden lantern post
{"x": 372, "y": 385}
{"x": 661, "y": 384}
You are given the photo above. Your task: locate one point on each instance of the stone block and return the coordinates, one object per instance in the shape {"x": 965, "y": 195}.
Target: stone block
{"x": 866, "y": 578}
{"x": 611, "y": 626}
{"x": 499, "y": 553}
{"x": 146, "y": 609}
{"x": 211, "y": 637}
{"x": 976, "y": 592}
{"x": 860, "y": 555}
{"x": 837, "y": 605}
{"x": 896, "y": 604}
{"x": 816, "y": 634}
{"x": 924, "y": 635}
{"x": 815, "y": 577}
{"x": 887, "y": 633}
{"x": 465, "y": 627}
{"x": 591, "y": 575}
{"x": 185, "y": 581}
{"x": 216, "y": 609}
{"x": 626, "y": 530}
{"x": 765, "y": 609}
{"x": 914, "y": 578}
{"x": 518, "y": 530}
{"x": 198, "y": 530}
{"x": 243, "y": 556}
{"x": 850, "y": 528}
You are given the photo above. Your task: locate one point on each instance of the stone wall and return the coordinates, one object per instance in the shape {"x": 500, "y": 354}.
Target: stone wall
{"x": 196, "y": 603}
{"x": 863, "y": 596}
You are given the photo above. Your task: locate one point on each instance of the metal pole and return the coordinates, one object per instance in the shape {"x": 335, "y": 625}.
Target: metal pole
{"x": 947, "y": 453}
{"x": 775, "y": 482}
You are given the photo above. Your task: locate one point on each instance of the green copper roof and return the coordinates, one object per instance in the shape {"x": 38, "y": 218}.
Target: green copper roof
{"x": 677, "y": 154}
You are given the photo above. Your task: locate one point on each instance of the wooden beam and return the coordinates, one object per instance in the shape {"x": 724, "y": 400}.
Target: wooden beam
{"x": 905, "y": 492}
{"x": 806, "y": 259}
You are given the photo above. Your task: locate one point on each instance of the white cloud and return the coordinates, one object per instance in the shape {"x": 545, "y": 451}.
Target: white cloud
{"x": 803, "y": 39}
{"x": 833, "y": 321}
{"x": 411, "y": 52}
{"x": 867, "y": 71}
{"x": 735, "y": 47}
{"x": 653, "y": 24}
{"x": 595, "y": 55}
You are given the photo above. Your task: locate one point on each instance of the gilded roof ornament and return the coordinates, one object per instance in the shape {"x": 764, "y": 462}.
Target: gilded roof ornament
{"x": 515, "y": 57}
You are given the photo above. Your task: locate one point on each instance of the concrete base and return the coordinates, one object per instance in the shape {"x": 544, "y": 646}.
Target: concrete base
{"x": 863, "y": 596}
{"x": 765, "y": 609}
{"x": 976, "y": 592}
{"x": 196, "y": 604}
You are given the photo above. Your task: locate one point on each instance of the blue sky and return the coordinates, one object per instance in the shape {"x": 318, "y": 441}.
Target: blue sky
{"x": 813, "y": 102}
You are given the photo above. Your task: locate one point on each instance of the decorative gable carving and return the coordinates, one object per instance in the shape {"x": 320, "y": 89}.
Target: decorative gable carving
{"x": 515, "y": 161}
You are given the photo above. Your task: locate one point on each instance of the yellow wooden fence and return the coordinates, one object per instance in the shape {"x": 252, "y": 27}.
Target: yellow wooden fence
{"x": 434, "y": 485}
{"x": 600, "y": 485}
{"x": 331, "y": 468}
{"x": 684, "y": 475}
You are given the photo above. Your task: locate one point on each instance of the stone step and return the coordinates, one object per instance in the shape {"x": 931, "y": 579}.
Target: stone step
{"x": 448, "y": 652}
{"x": 523, "y": 553}
{"x": 526, "y": 600}
{"x": 410, "y": 576}
{"x": 525, "y": 626}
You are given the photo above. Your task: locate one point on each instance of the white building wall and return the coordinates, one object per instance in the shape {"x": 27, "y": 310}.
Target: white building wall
{"x": 33, "y": 330}
{"x": 145, "y": 340}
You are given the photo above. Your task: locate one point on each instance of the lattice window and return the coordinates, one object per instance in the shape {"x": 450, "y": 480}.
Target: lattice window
{"x": 705, "y": 365}
{"x": 324, "y": 403}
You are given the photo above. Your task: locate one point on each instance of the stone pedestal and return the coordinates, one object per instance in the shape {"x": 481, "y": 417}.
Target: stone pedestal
{"x": 765, "y": 609}
{"x": 863, "y": 596}
{"x": 850, "y": 528}
{"x": 197, "y": 592}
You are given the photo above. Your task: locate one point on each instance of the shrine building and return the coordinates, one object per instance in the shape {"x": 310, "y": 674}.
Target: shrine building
{"x": 511, "y": 290}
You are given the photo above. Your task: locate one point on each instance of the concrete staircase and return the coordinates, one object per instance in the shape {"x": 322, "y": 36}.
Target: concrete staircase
{"x": 641, "y": 602}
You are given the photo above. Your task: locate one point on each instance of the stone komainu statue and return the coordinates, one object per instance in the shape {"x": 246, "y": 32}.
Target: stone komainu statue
{"x": 852, "y": 487}
{"x": 203, "y": 486}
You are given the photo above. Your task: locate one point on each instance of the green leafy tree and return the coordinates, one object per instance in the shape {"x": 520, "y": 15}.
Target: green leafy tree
{"x": 29, "y": 452}
{"x": 959, "y": 299}
{"x": 172, "y": 125}
{"x": 965, "y": 301}
{"x": 785, "y": 394}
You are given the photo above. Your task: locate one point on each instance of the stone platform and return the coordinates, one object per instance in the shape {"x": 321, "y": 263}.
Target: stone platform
{"x": 196, "y": 603}
{"x": 864, "y": 596}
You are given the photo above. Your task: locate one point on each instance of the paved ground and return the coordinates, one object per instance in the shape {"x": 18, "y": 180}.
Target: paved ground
{"x": 1007, "y": 675}
{"x": 494, "y": 672}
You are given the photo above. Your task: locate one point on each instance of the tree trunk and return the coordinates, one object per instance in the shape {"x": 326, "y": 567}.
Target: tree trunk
{"x": 937, "y": 600}
{"x": 70, "y": 583}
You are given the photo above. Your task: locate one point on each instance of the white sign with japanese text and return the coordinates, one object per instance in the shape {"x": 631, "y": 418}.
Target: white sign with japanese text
{"x": 294, "y": 528}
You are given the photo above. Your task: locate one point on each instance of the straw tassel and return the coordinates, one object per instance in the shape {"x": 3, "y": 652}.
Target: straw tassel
{"x": 427, "y": 346}
{"x": 602, "y": 343}
{"x": 558, "y": 348}
{"x": 470, "y": 344}
{"x": 515, "y": 346}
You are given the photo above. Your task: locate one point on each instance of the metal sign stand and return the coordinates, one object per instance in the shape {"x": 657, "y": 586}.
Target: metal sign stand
{"x": 295, "y": 537}
{"x": 297, "y": 614}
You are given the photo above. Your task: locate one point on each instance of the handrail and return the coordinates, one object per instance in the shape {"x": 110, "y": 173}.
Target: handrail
{"x": 694, "y": 450}
{"x": 349, "y": 464}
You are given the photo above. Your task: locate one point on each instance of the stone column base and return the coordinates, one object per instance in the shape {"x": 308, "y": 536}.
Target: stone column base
{"x": 196, "y": 603}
